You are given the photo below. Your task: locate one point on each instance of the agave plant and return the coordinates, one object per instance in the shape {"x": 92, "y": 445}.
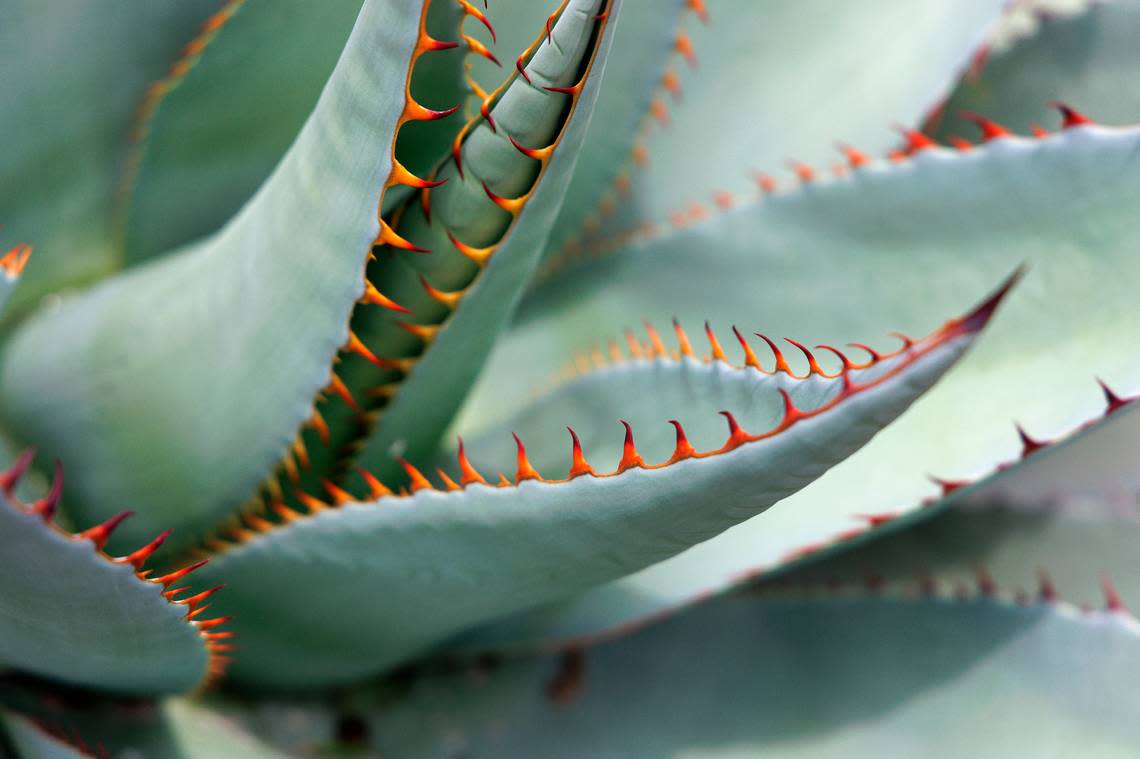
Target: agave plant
{"x": 443, "y": 335}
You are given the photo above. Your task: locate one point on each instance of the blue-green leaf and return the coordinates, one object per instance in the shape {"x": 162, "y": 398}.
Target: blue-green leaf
{"x": 839, "y": 260}
{"x": 72, "y": 613}
{"x": 165, "y": 365}
{"x": 343, "y": 592}
{"x": 1086, "y": 60}
{"x": 772, "y": 82}
{"x": 841, "y": 677}
{"x": 75, "y": 73}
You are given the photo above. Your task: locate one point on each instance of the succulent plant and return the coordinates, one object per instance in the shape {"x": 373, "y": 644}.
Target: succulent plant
{"x": 431, "y": 347}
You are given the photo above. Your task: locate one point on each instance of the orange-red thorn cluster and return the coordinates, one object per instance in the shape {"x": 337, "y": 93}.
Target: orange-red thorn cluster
{"x": 101, "y": 533}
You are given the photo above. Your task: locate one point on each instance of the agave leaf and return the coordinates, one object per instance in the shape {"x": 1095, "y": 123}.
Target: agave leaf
{"x": 383, "y": 581}
{"x": 787, "y": 79}
{"x": 174, "y": 354}
{"x": 1086, "y": 60}
{"x": 34, "y": 741}
{"x": 1050, "y": 524}
{"x": 486, "y": 230}
{"x": 66, "y": 131}
{"x": 175, "y": 729}
{"x": 70, "y": 612}
{"x": 853, "y": 253}
{"x": 1048, "y": 483}
{"x": 227, "y": 114}
{"x": 841, "y": 677}
{"x": 644, "y": 55}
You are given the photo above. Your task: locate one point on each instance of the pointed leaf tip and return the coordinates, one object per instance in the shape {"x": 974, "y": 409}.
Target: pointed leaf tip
{"x": 976, "y": 320}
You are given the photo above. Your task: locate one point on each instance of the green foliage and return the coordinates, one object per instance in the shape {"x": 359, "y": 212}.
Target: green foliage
{"x": 286, "y": 254}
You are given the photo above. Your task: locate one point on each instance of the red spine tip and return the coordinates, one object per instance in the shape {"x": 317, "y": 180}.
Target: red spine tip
{"x": 1070, "y": 117}
{"x": 1029, "y": 445}
{"x": 578, "y": 464}
{"x": 813, "y": 365}
{"x": 916, "y": 141}
{"x": 1111, "y": 399}
{"x": 948, "y": 486}
{"x": 46, "y": 506}
{"x": 736, "y": 435}
{"x": 683, "y": 449}
{"x": 10, "y": 478}
{"x": 977, "y": 319}
{"x": 139, "y": 557}
{"x": 525, "y": 470}
{"x": 991, "y": 130}
{"x": 100, "y": 534}
{"x": 1112, "y": 600}
{"x": 630, "y": 458}
{"x": 781, "y": 362}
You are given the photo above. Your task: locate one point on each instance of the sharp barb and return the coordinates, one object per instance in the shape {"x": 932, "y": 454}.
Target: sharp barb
{"x": 630, "y": 458}
{"x": 139, "y": 557}
{"x": 101, "y": 533}
{"x": 47, "y": 505}
{"x": 11, "y": 478}
{"x": 468, "y": 473}
{"x": 525, "y": 470}
{"x": 578, "y": 466}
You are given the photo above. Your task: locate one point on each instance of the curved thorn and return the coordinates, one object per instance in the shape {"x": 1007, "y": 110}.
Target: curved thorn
{"x": 991, "y": 130}
{"x": 630, "y": 458}
{"x": 578, "y": 466}
{"x": 714, "y": 345}
{"x": 749, "y": 355}
{"x": 1070, "y": 117}
{"x": 101, "y": 533}
{"x": 46, "y": 506}
{"x": 468, "y": 473}
{"x": 417, "y": 480}
{"x": 525, "y": 470}
{"x": 139, "y": 557}
{"x": 10, "y": 478}
{"x": 683, "y": 449}
{"x": 1111, "y": 399}
{"x": 781, "y": 362}
{"x": 736, "y": 435}
{"x": 813, "y": 365}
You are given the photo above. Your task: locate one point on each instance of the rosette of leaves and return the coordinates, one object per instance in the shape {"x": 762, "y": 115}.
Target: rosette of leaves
{"x": 418, "y": 374}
